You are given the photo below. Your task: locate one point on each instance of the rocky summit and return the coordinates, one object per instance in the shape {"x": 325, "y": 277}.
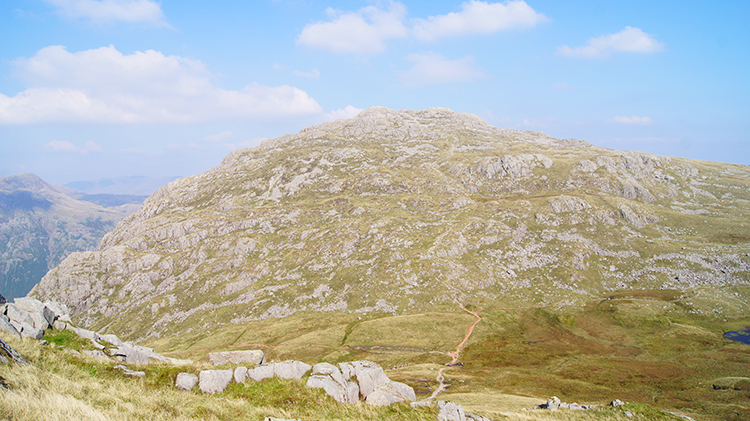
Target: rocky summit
{"x": 397, "y": 212}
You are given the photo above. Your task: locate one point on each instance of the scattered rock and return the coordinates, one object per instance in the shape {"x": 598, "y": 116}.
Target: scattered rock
{"x": 186, "y": 381}
{"x": 328, "y": 377}
{"x": 128, "y": 372}
{"x": 260, "y": 373}
{"x": 553, "y": 403}
{"x": 215, "y": 381}
{"x": 240, "y": 374}
{"x": 450, "y": 411}
{"x": 628, "y": 414}
{"x": 96, "y": 354}
{"x": 59, "y": 325}
{"x": 237, "y": 357}
{"x": 615, "y": 403}
{"x": 5, "y": 326}
{"x": 131, "y": 355}
{"x": 290, "y": 370}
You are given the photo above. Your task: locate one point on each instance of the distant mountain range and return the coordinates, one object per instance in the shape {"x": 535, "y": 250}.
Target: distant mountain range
{"x": 134, "y": 185}
{"x": 41, "y": 224}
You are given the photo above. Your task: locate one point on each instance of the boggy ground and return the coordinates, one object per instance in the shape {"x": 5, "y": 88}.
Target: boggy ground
{"x": 645, "y": 347}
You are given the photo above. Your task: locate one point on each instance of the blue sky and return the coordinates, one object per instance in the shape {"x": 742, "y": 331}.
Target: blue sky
{"x": 94, "y": 89}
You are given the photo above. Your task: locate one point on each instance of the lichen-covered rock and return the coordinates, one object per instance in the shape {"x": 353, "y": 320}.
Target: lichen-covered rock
{"x": 215, "y": 381}
{"x": 450, "y": 411}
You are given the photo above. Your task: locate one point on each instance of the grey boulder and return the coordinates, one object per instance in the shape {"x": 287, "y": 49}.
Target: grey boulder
{"x": 259, "y": 373}
{"x": 450, "y": 411}
{"x": 389, "y": 393}
{"x": 329, "y": 378}
{"x": 254, "y": 356}
{"x": 215, "y": 381}
{"x": 8, "y": 328}
{"x": 290, "y": 370}
{"x": 240, "y": 374}
{"x": 186, "y": 381}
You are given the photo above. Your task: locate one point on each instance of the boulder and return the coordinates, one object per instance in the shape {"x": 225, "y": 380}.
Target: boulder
{"x": 17, "y": 315}
{"x": 553, "y": 403}
{"x": 40, "y": 322}
{"x": 215, "y": 381}
{"x": 290, "y": 370}
{"x": 450, "y": 411}
{"x": 240, "y": 374}
{"x": 113, "y": 339}
{"x": 254, "y": 356}
{"x": 59, "y": 310}
{"x": 28, "y": 304}
{"x": 615, "y": 403}
{"x": 369, "y": 375}
{"x": 6, "y": 327}
{"x": 29, "y": 331}
{"x": 389, "y": 393}
{"x": 131, "y": 355}
{"x": 59, "y": 325}
{"x": 259, "y": 373}
{"x": 85, "y": 334}
{"x": 328, "y": 377}
{"x": 186, "y": 381}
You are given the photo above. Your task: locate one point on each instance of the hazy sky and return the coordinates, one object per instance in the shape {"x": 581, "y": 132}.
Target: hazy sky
{"x": 107, "y": 88}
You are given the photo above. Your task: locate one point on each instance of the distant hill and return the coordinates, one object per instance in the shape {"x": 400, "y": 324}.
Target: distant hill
{"x": 41, "y": 224}
{"x": 133, "y": 185}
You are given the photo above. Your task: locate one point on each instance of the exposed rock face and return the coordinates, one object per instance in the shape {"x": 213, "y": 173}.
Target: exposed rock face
{"x": 380, "y": 212}
{"x": 40, "y": 225}
{"x": 328, "y": 377}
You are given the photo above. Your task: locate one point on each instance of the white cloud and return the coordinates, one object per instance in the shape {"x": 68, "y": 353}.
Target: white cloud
{"x": 65, "y": 146}
{"x": 433, "y": 69}
{"x": 478, "y": 17}
{"x": 314, "y": 74}
{"x": 633, "y": 120}
{"x": 362, "y": 32}
{"x": 630, "y": 40}
{"x": 104, "y": 85}
{"x": 219, "y": 136}
{"x": 60, "y": 146}
{"x": 107, "y": 11}
{"x": 91, "y": 146}
{"x": 347, "y": 112}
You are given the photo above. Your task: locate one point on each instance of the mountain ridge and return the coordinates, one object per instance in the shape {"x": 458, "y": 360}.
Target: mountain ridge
{"x": 403, "y": 211}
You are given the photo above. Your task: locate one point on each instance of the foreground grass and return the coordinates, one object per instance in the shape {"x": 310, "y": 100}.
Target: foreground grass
{"x": 57, "y": 385}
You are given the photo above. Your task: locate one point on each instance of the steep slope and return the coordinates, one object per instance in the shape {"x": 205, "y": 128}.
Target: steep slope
{"x": 40, "y": 225}
{"x": 404, "y": 212}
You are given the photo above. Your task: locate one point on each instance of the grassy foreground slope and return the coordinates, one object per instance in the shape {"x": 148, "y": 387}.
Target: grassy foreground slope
{"x": 59, "y": 386}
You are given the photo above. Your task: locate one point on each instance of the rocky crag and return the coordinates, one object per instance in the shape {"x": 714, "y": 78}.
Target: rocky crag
{"x": 406, "y": 211}
{"x": 41, "y": 224}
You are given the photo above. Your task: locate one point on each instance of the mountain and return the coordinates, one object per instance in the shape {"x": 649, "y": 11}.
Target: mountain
{"x": 132, "y": 185}
{"x": 41, "y": 224}
{"x": 406, "y": 211}
{"x": 529, "y": 265}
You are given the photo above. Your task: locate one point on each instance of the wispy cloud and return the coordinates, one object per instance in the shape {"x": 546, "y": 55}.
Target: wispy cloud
{"x": 478, "y": 17}
{"x": 362, "y": 32}
{"x": 313, "y": 74}
{"x": 347, "y": 112}
{"x": 631, "y": 120}
{"x": 104, "y": 85}
{"x": 66, "y": 146}
{"x": 434, "y": 69}
{"x": 629, "y": 40}
{"x": 107, "y": 11}
{"x": 219, "y": 137}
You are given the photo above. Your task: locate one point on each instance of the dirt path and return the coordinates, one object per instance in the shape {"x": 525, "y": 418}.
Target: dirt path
{"x": 454, "y": 355}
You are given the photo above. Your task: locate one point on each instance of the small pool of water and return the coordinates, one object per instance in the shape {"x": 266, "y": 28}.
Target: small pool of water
{"x": 742, "y": 336}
